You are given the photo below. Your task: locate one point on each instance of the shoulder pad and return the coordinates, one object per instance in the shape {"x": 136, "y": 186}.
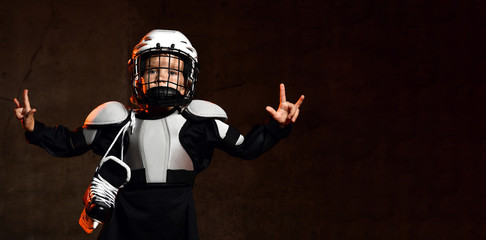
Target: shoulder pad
{"x": 205, "y": 109}
{"x": 107, "y": 113}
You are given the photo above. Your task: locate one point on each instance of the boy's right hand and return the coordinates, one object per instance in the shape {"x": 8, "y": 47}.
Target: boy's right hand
{"x": 24, "y": 113}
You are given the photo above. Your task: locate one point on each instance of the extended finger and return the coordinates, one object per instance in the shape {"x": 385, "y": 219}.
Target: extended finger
{"x": 300, "y": 101}
{"x": 271, "y": 111}
{"x": 26, "y": 99}
{"x": 17, "y": 103}
{"x": 282, "y": 93}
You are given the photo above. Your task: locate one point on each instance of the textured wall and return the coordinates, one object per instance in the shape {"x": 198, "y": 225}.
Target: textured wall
{"x": 390, "y": 143}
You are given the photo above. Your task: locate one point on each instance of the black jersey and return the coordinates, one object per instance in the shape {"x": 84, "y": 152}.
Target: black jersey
{"x": 164, "y": 159}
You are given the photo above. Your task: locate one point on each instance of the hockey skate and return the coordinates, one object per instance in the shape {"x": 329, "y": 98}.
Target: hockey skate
{"x": 99, "y": 199}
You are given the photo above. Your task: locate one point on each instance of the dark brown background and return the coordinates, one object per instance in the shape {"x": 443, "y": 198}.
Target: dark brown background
{"x": 390, "y": 143}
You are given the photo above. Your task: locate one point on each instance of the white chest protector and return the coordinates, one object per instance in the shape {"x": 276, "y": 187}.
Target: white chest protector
{"x": 154, "y": 144}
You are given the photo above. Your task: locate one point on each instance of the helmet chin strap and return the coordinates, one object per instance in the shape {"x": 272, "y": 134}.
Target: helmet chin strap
{"x": 163, "y": 96}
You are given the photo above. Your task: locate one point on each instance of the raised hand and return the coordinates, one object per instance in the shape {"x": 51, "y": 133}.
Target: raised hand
{"x": 287, "y": 112}
{"x": 24, "y": 113}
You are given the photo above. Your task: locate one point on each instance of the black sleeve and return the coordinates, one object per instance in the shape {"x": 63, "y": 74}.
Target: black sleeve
{"x": 199, "y": 136}
{"x": 58, "y": 141}
{"x": 259, "y": 140}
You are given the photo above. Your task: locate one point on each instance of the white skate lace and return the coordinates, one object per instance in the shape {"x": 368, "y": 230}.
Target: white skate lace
{"x": 103, "y": 191}
{"x": 122, "y": 133}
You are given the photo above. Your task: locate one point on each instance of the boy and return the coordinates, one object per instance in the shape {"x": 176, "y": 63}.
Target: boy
{"x": 142, "y": 188}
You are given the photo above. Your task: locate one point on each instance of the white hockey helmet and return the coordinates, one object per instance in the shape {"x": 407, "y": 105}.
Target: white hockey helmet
{"x": 163, "y": 51}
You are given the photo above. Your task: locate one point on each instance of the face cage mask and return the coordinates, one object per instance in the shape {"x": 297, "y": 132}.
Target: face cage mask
{"x": 163, "y": 77}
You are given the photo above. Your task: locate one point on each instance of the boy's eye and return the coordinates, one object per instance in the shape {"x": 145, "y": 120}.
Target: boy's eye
{"x": 152, "y": 71}
{"x": 172, "y": 72}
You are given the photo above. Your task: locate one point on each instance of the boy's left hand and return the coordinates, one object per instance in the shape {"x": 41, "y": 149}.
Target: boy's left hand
{"x": 287, "y": 112}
